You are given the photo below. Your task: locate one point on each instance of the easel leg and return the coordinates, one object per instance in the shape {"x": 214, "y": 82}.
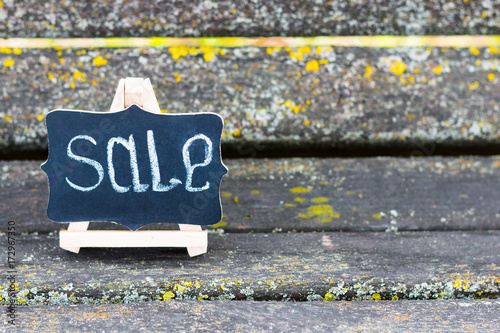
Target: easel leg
{"x": 194, "y": 250}
{"x": 75, "y": 226}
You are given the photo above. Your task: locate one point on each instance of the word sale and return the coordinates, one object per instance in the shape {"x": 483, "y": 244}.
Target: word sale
{"x": 136, "y": 185}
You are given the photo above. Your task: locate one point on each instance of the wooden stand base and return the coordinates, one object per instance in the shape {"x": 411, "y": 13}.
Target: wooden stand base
{"x": 195, "y": 241}
{"x": 134, "y": 91}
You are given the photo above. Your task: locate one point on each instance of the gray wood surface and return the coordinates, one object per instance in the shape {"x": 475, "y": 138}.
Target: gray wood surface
{"x": 227, "y": 316}
{"x": 265, "y": 267}
{"x": 423, "y": 233}
{"x": 261, "y": 195}
{"x": 366, "y": 100}
{"x": 53, "y": 18}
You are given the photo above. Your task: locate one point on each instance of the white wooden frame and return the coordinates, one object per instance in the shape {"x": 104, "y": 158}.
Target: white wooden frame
{"x": 134, "y": 91}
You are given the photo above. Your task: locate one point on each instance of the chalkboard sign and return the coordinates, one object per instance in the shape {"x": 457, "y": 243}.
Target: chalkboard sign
{"x": 134, "y": 167}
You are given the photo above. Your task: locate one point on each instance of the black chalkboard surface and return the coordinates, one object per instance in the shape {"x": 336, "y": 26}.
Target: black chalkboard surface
{"x": 134, "y": 167}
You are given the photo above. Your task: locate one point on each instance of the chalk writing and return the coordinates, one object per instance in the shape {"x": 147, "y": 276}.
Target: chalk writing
{"x": 120, "y": 174}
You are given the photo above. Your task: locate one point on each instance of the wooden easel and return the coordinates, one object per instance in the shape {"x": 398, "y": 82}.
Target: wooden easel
{"x": 134, "y": 91}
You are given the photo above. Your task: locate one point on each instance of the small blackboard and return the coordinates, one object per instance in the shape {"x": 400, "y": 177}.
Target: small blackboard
{"x": 134, "y": 167}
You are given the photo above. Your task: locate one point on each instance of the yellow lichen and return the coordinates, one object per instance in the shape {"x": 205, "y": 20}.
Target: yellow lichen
{"x": 235, "y": 199}
{"x": 290, "y": 205}
{"x": 368, "y": 72}
{"x": 377, "y": 216}
{"x": 328, "y": 297}
{"x": 237, "y": 132}
{"x": 397, "y": 67}
{"x": 9, "y": 62}
{"x": 39, "y": 117}
{"x": 179, "y": 287}
{"x": 208, "y": 56}
{"x": 376, "y": 297}
{"x": 255, "y": 192}
{"x": 300, "y": 189}
{"x": 474, "y": 85}
{"x": 319, "y": 200}
{"x": 182, "y": 51}
{"x": 437, "y": 70}
{"x": 474, "y": 51}
{"x": 297, "y": 56}
{"x": 312, "y": 65}
{"x": 270, "y": 50}
{"x": 168, "y": 296}
{"x": 209, "y": 52}
{"x": 491, "y": 76}
{"x": 322, "y": 213}
{"x": 77, "y": 75}
{"x": 301, "y": 200}
{"x": 292, "y": 106}
{"x": 219, "y": 225}
{"x": 99, "y": 61}
{"x": 305, "y": 49}
{"x": 226, "y": 195}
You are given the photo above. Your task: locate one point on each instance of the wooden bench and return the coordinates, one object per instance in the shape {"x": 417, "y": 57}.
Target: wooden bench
{"x": 356, "y": 174}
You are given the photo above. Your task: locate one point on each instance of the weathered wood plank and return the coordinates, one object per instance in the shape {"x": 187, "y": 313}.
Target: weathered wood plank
{"x": 230, "y": 316}
{"x": 369, "y": 100}
{"x": 275, "y": 266}
{"x": 373, "y": 194}
{"x": 53, "y": 18}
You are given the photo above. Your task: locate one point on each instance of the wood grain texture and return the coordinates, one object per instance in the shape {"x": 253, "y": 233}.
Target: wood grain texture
{"x": 227, "y": 316}
{"x": 176, "y": 18}
{"x": 265, "y": 267}
{"x": 373, "y": 194}
{"x": 290, "y": 100}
